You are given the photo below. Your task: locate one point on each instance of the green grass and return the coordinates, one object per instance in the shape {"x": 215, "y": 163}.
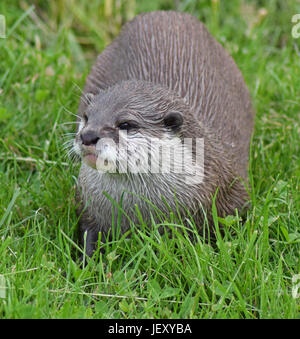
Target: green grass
{"x": 247, "y": 273}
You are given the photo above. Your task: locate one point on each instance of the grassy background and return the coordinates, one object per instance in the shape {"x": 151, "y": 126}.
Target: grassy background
{"x": 248, "y": 273}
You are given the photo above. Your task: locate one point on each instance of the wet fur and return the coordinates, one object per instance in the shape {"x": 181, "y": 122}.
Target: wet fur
{"x": 164, "y": 61}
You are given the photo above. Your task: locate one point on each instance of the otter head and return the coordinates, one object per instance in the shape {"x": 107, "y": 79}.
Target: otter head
{"x": 119, "y": 125}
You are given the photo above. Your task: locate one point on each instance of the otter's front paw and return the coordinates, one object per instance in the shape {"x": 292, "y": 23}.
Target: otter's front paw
{"x": 88, "y": 240}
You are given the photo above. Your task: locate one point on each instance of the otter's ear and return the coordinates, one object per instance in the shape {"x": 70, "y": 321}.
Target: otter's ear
{"x": 173, "y": 120}
{"x": 89, "y": 97}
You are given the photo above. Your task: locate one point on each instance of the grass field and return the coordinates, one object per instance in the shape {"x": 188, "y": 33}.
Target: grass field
{"x": 249, "y": 273}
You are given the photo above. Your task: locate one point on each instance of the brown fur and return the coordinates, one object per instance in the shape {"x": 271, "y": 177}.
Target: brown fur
{"x": 175, "y": 55}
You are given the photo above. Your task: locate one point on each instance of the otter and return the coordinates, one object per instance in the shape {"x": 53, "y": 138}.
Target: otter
{"x": 163, "y": 78}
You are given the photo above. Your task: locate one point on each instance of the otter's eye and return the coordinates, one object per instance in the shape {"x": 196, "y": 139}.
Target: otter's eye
{"x": 126, "y": 126}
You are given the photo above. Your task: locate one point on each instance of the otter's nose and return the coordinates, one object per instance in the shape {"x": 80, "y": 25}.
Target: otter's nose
{"x": 89, "y": 138}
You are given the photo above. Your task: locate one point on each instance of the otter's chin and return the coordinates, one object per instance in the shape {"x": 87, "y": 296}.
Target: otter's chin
{"x": 91, "y": 160}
